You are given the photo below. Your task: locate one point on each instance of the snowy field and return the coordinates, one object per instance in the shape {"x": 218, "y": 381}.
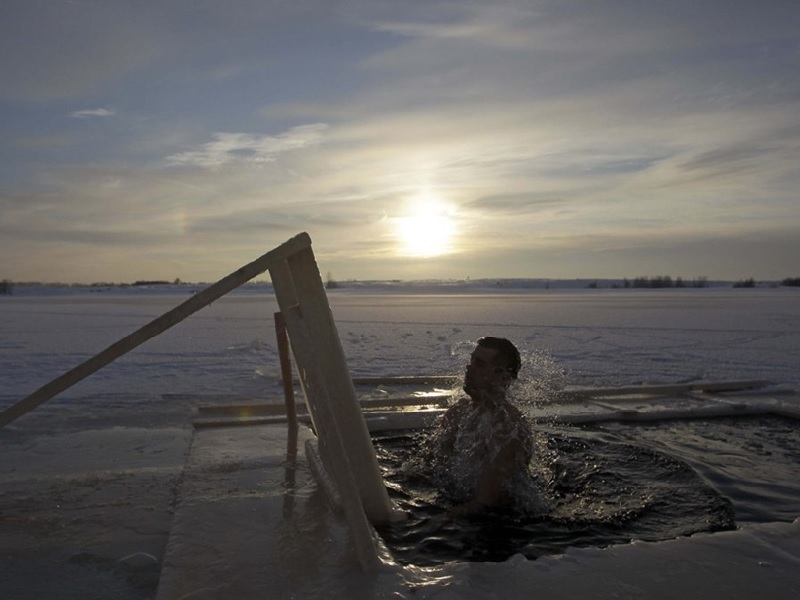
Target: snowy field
{"x": 87, "y": 480}
{"x": 601, "y": 337}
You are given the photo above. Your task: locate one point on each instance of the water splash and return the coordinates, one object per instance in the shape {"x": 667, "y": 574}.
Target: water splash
{"x": 598, "y": 492}
{"x": 541, "y": 379}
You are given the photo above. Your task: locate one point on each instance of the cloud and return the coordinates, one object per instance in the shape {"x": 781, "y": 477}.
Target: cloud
{"x": 549, "y": 128}
{"x": 93, "y": 112}
{"x": 245, "y": 148}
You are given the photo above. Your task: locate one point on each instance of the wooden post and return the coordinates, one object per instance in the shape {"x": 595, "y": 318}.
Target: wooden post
{"x": 286, "y": 369}
{"x": 333, "y": 445}
{"x": 303, "y": 302}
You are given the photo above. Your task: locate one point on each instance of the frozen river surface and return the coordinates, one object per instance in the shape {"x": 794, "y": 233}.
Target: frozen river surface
{"x": 87, "y": 479}
{"x": 601, "y": 337}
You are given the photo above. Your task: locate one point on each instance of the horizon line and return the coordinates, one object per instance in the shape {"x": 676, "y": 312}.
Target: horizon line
{"x": 333, "y": 282}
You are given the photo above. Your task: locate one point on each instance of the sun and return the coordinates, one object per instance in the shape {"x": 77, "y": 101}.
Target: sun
{"x": 427, "y": 231}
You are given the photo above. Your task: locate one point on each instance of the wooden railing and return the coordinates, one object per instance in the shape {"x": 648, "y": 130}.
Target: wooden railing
{"x": 345, "y": 446}
{"x": 152, "y": 329}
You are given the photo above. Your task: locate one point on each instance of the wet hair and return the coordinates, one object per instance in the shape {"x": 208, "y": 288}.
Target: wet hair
{"x": 507, "y": 354}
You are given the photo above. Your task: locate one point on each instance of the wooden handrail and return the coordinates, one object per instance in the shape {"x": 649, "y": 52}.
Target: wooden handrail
{"x": 154, "y": 328}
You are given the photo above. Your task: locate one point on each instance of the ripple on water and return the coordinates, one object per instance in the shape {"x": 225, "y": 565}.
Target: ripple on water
{"x": 599, "y": 492}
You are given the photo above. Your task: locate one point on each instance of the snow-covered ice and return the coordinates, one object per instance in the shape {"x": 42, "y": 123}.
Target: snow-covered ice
{"x": 88, "y": 478}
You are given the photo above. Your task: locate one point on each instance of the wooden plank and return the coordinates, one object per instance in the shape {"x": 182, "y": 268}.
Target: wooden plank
{"x": 626, "y": 394}
{"x": 331, "y": 440}
{"x": 154, "y": 328}
{"x": 324, "y": 358}
{"x": 381, "y": 420}
{"x": 656, "y": 389}
{"x": 247, "y": 421}
{"x": 294, "y": 285}
{"x": 660, "y": 390}
{"x": 410, "y": 380}
{"x": 282, "y": 337}
{"x": 264, "y": 409}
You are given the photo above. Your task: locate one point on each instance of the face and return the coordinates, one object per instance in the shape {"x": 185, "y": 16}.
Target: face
{"x": 483, "y": 377}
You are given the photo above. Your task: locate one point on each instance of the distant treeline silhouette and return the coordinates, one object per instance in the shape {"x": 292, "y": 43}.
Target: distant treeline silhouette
{"x": 664, "y": 281}
{"x": 154, "y": 282}
{"x": 745, "y": 283}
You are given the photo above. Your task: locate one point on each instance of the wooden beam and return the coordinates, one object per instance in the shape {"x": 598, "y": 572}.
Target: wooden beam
{"x": 660, "y": 390}
{"x": 409, "y": 380}
{"x": 154, "y": 328}
{"x": 282, "y": 337}
{"x": 322, "y": 367}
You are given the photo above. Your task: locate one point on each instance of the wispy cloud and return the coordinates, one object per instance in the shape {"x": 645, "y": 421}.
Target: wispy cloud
{"x": 245, "y": 148}
{"x": 92, "y": 113}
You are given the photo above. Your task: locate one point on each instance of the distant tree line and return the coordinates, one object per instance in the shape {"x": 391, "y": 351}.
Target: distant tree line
{"x": 7, "y": 286}
{"x": 745, "y": 283}
{"x": 152, "y": 282}
{"x": 664, "y": 281}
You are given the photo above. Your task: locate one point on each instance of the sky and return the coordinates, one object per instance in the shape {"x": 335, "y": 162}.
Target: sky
{"x": 168, "y": 139}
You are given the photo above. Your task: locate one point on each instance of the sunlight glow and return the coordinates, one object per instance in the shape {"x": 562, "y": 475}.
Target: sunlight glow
{"x": 427, "y": 231}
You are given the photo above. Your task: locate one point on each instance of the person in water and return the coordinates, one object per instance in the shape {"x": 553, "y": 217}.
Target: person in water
{"x": 480, "y": 450}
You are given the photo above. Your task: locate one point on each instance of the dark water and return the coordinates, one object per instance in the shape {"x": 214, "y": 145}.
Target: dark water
{"x": 606, "y": 485}
{"x": 753, "y": 461}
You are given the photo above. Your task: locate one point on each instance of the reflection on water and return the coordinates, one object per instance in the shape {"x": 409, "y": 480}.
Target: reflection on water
{"x": 753, "y": 461}
{"x": 599, "y": 492}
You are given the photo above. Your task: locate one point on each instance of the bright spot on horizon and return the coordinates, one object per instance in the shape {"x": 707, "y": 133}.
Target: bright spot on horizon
{"x": 427, "y": 231}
